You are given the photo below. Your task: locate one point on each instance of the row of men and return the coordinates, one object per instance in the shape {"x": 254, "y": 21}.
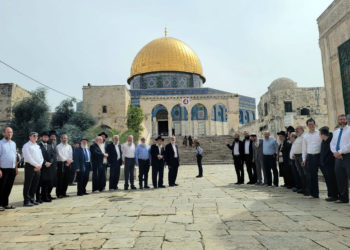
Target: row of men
{"x": 299, "y": 156}
{"x": 48, "y": 165}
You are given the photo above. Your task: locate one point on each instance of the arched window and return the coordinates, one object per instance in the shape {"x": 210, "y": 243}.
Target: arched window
{"x": 219, "y": 113}
{"x": 179, "y": 113}
{"x": 199, "y": 112}
{"x": 241, "y": 117}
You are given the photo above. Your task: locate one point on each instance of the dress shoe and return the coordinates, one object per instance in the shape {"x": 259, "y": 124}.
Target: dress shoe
{"x": 28, "y": 204}
{"x": 86, "y": 193}
{"x": 238, "y": 183}
{"x": 39, "y": 201}
{"x": 171, "y": 185}
{"x": 126, "y": 188}
{"x": 65, "y": 195}
{"x": 341, "y": 201}
{"x": 199, "y": 176}
{"x": 140, "y": 187}
{"x": 60, "y": 197}
{"x": 300, "y": 191}
{"x": 52, "y": 198}
{"x": 80, "y": 194}
{"x": 294, "y": 189}
{"x": 249, "y": 182}
{"x": 133, "y": 187}
{"x": 331, "y": 199}
{"x": 176, "y": 184}
{"x": 47, "y": 200}
{"x": 35, "y": 203}
{"x": 162, "y": 186}
{"x": 146, "y": 187}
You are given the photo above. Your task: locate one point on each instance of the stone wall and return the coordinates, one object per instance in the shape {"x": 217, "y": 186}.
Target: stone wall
{"x": 107, "y": 104}
{"x": 334, "y": 30}
{"x": 10, "y": 94}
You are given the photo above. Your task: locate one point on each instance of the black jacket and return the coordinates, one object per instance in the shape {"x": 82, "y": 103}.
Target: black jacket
{"x": 285, "y": 151}
{"x": 113, "y": 156}
{"x": 49, "y": 156}
{"x": 250, "y": 148}
{"x": 326, "y": 155}
{"x": 241, "y": 148}
{"x": 170, "y": 156}
{"x": 154, "y": 153}
{"x": 96, "y": 155}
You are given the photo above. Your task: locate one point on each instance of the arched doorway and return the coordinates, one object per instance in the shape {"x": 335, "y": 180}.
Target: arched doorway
{"x": 160, "y": 124}
{"x": 199, "y": 116}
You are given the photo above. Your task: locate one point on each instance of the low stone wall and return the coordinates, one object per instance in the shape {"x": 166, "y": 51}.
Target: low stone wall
{"x": 20, "y": 177}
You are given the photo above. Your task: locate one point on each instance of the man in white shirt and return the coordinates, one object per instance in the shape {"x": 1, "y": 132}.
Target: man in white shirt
{"x": 64, "y": 154}
{"x": 33, "y": 160}
{"x": 129, "y": 162}
{"x": 311, "y": 158}
{"x": 296, "y": 155}
{"x": 340, "y": 146}
{"x": 8, "y": 167}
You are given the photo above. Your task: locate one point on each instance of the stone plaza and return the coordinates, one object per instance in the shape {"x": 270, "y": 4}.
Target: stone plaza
{"x": 204, "y": 213}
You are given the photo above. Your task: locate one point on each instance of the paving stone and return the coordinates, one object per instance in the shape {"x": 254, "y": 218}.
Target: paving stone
{"x": 182, "y": 235}
{"x": 95, "y": 244}
{"x": 148, "y": 243}
{"x": 287, "y": 242}
{"x": 119, "y": 243}
{"x": 182, "y": 245}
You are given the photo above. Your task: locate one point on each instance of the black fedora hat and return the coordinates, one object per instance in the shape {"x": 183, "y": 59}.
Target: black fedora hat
{"x": 52, "y": 132}
{"x": 282, "y": 133}
{"x": 159, "y": 138}
{"x": 44, "y": 133}
{"x": 84, "y": 139}
{"x": 103, "y": 133}
{"x": 290, "y": 129}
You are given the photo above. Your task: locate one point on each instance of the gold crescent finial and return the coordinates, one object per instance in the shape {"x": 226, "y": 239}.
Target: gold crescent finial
{"x": 165, "y": 32}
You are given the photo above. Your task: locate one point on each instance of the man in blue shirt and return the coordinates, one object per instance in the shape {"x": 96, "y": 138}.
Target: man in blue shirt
{"x": 142, "y": 157}
{"x": 8, "y": 167}
{"x": 269, "y": 150}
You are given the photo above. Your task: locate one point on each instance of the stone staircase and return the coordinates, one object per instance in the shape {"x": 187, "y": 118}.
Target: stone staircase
{"x": 214, "y": 147}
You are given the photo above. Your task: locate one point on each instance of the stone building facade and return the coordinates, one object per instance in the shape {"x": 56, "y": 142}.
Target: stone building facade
{"x": 334, "y": 41}
{"x": 285, "y": 104}
{"x": 10, "y": 94}
{"x": 107, "y": 104}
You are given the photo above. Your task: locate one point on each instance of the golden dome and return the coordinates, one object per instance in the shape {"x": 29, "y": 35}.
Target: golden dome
{"x": 166, "y": 54}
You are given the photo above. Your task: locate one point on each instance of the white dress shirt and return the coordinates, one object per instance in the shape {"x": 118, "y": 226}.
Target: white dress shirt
{"x": 344, "y": 141}
{"x": 236, "y": 148}
{"x": 103, "y": 149}
{"x": 175, "y": 151}
{"x": 246, "y": 147}
{"x": 117, "y": 150}
{"x": 32, "y": 154}
{"x": 8, "y": 154}
{"x": 64, "y": 152}
{"x": 128, "y": 151}
{"x": 311, "y": 144}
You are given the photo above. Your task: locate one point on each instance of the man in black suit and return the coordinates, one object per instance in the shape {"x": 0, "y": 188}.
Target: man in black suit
{"x": 172, "y": 159}
{"x": 157, "y": 162}
{"x": 53, "y": 142}
{"x": 237, "y": 153}
{"x": 81, "y": 158}
{"x": 248, "y": 158}
{"x": 98, "y": 169}
{"x": 284, "y": 160}
{"x": 114, "y": 151}
{"x": 46, "y": 175}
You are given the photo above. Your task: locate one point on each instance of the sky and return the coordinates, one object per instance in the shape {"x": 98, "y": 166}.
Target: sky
{"x": 243, "y": 45}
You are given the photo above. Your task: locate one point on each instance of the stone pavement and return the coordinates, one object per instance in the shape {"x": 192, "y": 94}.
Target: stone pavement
{"x": 206, "y": 213}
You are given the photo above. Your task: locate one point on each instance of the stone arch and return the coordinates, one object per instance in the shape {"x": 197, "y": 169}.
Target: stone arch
{"x": 219, "y": 113}
{"x": 179, "y": 120}
{"x": 199, "y": 112}
{"x": 160, "y": 121}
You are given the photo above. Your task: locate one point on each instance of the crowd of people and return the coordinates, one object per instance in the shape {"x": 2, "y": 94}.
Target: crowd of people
{"x": 49, "y": 165}
{"x": 298, "y": 156}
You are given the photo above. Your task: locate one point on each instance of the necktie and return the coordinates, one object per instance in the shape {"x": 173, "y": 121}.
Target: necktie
{"x": 86, "y": 155}
{"x": 338, "y": 142}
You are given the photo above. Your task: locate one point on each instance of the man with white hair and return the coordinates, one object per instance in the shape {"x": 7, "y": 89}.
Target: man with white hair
{"x": 142, "y": 156}
{"x": 129, "y": 162}
{"x": 115, "y": 160}
{"x": 172, "y": 160}
{"x": 64, "y": 154}
{"x": 269, "y": 151}
{"x": 98, "y": 170}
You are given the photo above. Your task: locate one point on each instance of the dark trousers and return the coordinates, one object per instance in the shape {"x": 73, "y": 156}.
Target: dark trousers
{"x": 157, "y": 170}
{"x": 86, "y": 175}
{"x": 237, "y": 161}
{"x": 286, "y": 173}
{"x": 114, "y": 175}
{"x": 42, "y": 191}
{"x": 143, "y": 172}
{"x": 199, "y": 163}
{"x": 6, "y": 183}
{"x": 129, "y": 168}
{"x": 63, "y": 173}
{"x": 80, "y": 182}
{"x": 342, "y": 175}
{"x": 328, "y": 173}
{"x": 295, "y": 175}
{"x": 172, "y": 174}
{"x": 251, "y": 169}
{"x": 270, "y": 164}
{"x": 98, "y": 177}
{"x": 301, "y": 172}
{"x": 54, "y": 178}
{"x": 31, "y": 182}
{"x": 72, "y": 171}
{"x": 311, "y": 171}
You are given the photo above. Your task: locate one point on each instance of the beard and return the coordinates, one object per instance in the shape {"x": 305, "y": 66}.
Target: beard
{"x": 129, "y": 143}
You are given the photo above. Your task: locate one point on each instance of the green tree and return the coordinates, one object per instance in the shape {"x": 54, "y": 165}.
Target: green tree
{"x": 63, "y": 113}
{"x": 82, "y": 120}
{"x": 74, "y": 133}
{"x": 31, "y": 114}
{"x": 134, "y": 119}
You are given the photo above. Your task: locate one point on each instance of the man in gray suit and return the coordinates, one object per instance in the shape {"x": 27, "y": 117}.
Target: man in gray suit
{"x": 258, "y": 159}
